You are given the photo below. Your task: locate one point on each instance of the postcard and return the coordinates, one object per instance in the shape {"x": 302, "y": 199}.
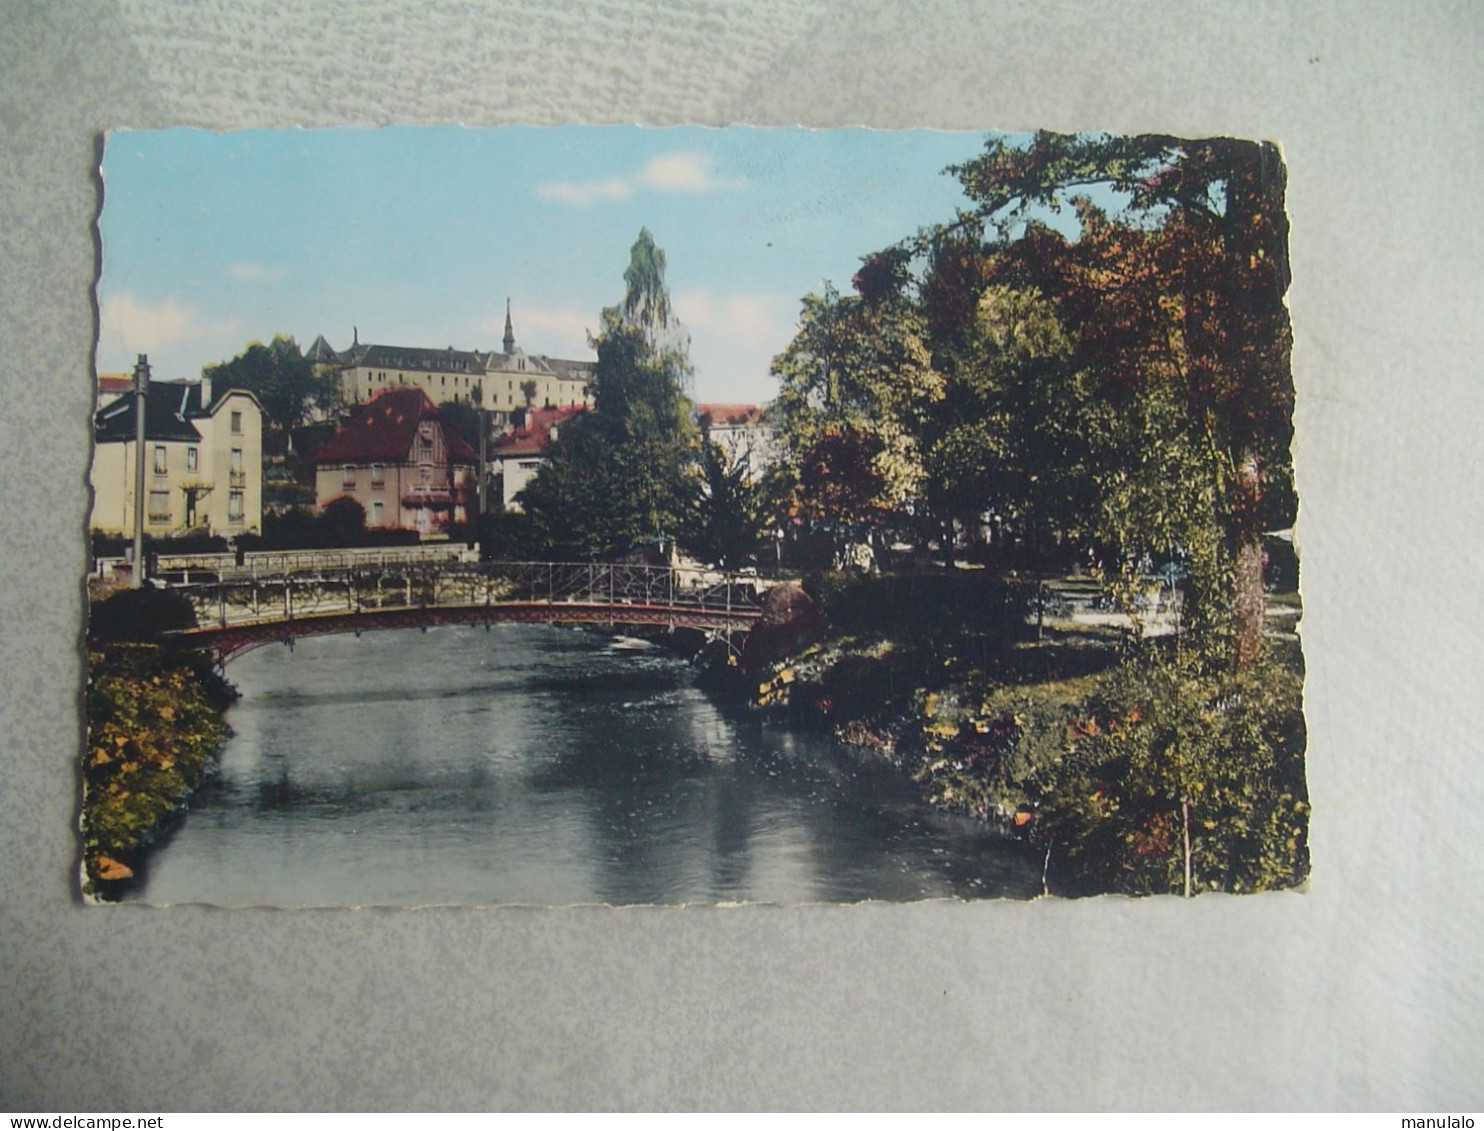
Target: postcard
{"x": 608, "y": 515}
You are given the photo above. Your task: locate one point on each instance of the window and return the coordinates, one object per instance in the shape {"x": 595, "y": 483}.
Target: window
{"x": 159, "y": 459}
{"x": 192, "y": 459}
{"x": 238, "y": 477}
{"x": 378, "y": 477}
{"x": 159, "y": 506}
{"x": 348, "y": 477}
{"x": 234, "y": 505}
{"x": 377, "y": 507}
{"x": 237, "y": 424}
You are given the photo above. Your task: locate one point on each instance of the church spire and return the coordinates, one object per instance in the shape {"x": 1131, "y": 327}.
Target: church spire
{"x": 509, "y": 330}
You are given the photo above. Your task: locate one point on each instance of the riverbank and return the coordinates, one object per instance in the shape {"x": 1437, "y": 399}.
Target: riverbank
{"x": 156, "y": 721}
{"x": 1134, "y": 766}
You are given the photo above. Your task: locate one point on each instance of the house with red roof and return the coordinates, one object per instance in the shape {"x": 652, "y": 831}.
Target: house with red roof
{"x": 516, "y": 456}
{"x": 398, "y": 459}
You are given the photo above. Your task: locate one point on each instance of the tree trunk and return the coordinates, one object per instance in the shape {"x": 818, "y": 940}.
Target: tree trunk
{"x": 1185, "y": 827}
{"x": 1247, "y": 562}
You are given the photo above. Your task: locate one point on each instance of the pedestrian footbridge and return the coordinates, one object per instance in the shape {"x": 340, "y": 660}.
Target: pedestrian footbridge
{"x": 242, "y": 607}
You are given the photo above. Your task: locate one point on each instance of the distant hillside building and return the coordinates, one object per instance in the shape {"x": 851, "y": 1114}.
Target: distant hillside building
{"x": 204, "y": 460}
{"x": 499, "y": 381}
{"x": 399, "y": 460}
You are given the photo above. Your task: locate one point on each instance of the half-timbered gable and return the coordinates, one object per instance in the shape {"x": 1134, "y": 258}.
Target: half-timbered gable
{"x": 399, "y": 460}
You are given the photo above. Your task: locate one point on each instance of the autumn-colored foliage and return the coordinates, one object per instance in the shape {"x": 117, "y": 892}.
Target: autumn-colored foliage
{"x": 154, "y": 725}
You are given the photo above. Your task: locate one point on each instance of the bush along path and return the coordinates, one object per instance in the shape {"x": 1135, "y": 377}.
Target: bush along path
{"x": 1140, "y": 767}
{"x": 156, "y": 720}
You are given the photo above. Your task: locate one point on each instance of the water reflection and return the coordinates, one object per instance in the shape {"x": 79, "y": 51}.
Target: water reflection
{"x": 537, "y": 765}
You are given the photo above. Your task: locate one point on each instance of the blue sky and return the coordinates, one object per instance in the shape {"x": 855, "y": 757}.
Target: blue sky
{"x": 417, "y": 235}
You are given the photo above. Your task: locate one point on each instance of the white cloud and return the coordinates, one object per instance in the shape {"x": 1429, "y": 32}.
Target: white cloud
{"x": 135, "y": 327}
{"x": 734, "y": 338}
{"x": 684, "y": 172}
{"x": 255, "y": 273}
{"x": 745, "y": 316}
{"x": 679, "y": 172}
{"x": 553, "y": 331}
{"x": 583, "y": 193}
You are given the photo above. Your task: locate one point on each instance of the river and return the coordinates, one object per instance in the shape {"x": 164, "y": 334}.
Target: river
{"x": 538, "y": 765}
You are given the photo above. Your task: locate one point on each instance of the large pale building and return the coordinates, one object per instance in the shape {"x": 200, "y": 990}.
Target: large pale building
{"x": 203, "y": 461}
{"x": 498, "y": 381}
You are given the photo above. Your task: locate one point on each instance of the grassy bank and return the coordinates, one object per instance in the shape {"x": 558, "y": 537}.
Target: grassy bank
{"x": 1130, "y": 762}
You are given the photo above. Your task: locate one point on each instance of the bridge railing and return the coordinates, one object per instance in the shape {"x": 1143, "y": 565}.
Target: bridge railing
{"x": 409, "y": 585}
{"x": 272, "y": 563}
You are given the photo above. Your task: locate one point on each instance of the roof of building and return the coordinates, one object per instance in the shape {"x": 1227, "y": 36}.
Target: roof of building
{"x": 320, "y": 351}
{"x": 169, "y": 408}
{"x": 534, "y": 435}
{"x": 115, "y": 383}
{"x": 447, "y": 360}
{"x": 711, "y": 414}
{"x": 513, "y": 359}
{"x": 383, "y": 430}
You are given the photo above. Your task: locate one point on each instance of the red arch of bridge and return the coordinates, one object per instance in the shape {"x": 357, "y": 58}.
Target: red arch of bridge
{"x": 231, "y": 640}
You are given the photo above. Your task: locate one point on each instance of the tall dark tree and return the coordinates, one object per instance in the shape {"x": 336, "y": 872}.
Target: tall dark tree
{"x": 727, "y": 515}
{"x": 646, "y": 307}
{"x": 621, "y": 474}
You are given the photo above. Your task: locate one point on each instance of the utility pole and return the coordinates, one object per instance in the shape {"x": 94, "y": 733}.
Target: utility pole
{"x": 141, "y": 392}
{"x": 484, "y": 438}
{"x": 484, "y": 463}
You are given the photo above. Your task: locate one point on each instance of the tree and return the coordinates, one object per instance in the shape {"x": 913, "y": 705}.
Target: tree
{"x": 1207, "y": 305}
{"x": 840, "y": 479}
{"x": 621, "y": 474}
{"x": 1005, "y": 435}
{"x": 646, "y": 305}
{"x": 464, "y": 418}
{"x": 726, "y": 518}
{"x": 343, "y": 517}
{"x": 281, "y": 378}
{"x": 858, "y": 373}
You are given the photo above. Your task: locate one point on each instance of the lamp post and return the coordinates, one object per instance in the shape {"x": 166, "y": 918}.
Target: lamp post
{"x": 141, "y": 392}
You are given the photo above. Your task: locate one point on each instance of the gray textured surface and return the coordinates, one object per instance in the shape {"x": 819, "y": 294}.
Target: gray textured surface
{"x": 1363, "y": 993}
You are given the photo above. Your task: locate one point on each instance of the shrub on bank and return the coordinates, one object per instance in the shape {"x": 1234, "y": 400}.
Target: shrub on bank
{"x": 1132, "y": 775}
{"x": 155, "y": 721}
{"x": 139, "y": 616}
{"x": 118, "y": 546}
{"x": 336, "y": 529}
{"x": 918, "y": 606}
